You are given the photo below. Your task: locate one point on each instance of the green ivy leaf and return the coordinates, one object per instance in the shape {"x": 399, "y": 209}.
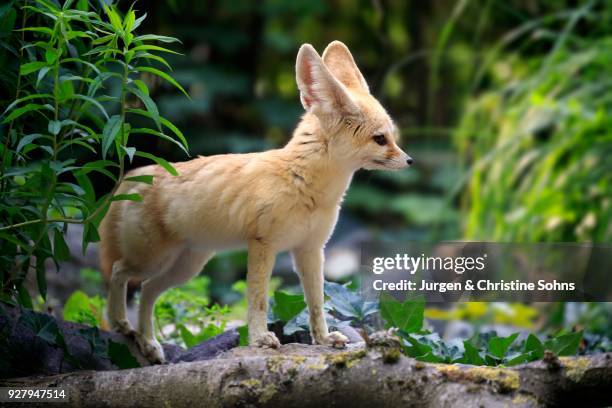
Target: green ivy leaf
{"x": 534, "y": 346}
{"x": 406, "y": 316}
{"x": 187, "y": 336}
{"x": 520, "y": 358}
{"x": 498, "y": 346}
{"x": 286, "y": 305}
{"x": 564, "y": 344}
{"x": 471, "y": 355}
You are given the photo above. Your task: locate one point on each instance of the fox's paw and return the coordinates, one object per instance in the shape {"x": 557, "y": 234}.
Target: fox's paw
{"x": 124, "y": 327}
{"x": 151, "y": 349}
{"x": 336, "y": 340}
{"x": 266, "y": 339}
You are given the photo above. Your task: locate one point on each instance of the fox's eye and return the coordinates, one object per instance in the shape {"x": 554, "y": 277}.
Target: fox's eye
{"x": 380, "y": 140}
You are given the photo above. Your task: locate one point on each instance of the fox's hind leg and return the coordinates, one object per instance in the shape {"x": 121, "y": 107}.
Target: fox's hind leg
{"x": 188, "y": 264}
{"x": 117, "y": 317}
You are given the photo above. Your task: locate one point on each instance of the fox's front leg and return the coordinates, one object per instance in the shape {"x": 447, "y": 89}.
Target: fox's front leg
{"x": 260, "y": 263}
{"x": 309, "y": 265}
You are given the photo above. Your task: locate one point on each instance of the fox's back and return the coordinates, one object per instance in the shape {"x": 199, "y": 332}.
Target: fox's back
{"x": 216, "y": 202}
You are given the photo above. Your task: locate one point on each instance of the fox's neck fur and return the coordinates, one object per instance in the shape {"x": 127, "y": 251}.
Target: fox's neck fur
{"x": 313, "y": 164}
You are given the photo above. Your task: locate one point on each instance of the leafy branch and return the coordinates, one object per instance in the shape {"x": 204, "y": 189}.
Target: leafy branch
{"x": 78, "y": 67}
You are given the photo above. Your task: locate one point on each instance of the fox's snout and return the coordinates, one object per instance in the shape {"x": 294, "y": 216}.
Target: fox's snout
{"x": 402, "y": 161}
{"x": 406, "y": 160}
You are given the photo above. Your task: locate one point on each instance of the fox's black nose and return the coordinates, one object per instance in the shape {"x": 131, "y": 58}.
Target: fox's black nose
{"x": 409, "y": 160}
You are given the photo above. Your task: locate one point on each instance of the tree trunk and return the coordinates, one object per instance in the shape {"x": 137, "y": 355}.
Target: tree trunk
{"x": 316, "y": 376}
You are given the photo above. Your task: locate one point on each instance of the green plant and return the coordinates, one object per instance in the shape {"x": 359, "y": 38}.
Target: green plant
{"x": 185, "y": 315}
{"x": 538, "y": 143}
{"x": 342, "y": 307}
{"x": 482, "y": 349}
{"x": 77, "y": 88}
{"x": 80, "y": 308}
{"x": 406, "y": 318}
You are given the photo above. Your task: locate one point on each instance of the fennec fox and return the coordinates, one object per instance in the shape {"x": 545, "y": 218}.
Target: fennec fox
{"x": 280, "y": 200}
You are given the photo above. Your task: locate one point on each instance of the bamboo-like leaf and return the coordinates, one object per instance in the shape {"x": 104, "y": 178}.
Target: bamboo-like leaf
{"x": 26, "y": 98}
{"x": 160, "y": 135}
{"x": 114, "y": 18}
{"x": 127, "y": 197}
{"x": 164, "y": 76}
{"x": 27, "y": 139}
{"x": 49, "y": 5}
{"x": 148, "y": 47}
{"x": 139, "y": 21}
{"x": 81, "y": 61}
{"x": 153, "y": 37}
{"x": 90, "y": 100}
{"x": 54, "y": 127}
{"x": 78, "y": 142}
{"x": 129, "y": 20}
{"x": 149, "y": 56}
{"x": 51, "y": 55}
{"x": 164, "y": 122}
{"x": 149, "y": 104}
{"x": 41, "y": 75}
{"x": 142, "y": 86}
{"x": 104, "y": 39}
{"x": 25, "y": 109}
{"x": 43, "y": 30}
{"x": 61, "y": 252}
{"x": 30, "y": 67}
{"x": 110, "y": 132}
{"x": 162, "y": 162}
{"x": 147, "y": 179}
{"x": 129, "y": 151}
{"x": 99, "y": 166}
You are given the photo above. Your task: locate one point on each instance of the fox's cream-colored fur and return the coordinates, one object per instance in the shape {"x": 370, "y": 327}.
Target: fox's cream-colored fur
{"x": 286, "y": 199}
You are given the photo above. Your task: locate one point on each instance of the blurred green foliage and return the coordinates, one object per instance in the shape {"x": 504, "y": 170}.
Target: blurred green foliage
{"x": 80, "y": 308}
{"x": 537, "y": 143}
{"x": 186, "y": 316}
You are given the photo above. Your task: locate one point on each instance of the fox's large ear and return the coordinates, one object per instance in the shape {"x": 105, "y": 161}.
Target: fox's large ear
{"x": 340, "y": 62}
{"x": 320, "y": 91}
